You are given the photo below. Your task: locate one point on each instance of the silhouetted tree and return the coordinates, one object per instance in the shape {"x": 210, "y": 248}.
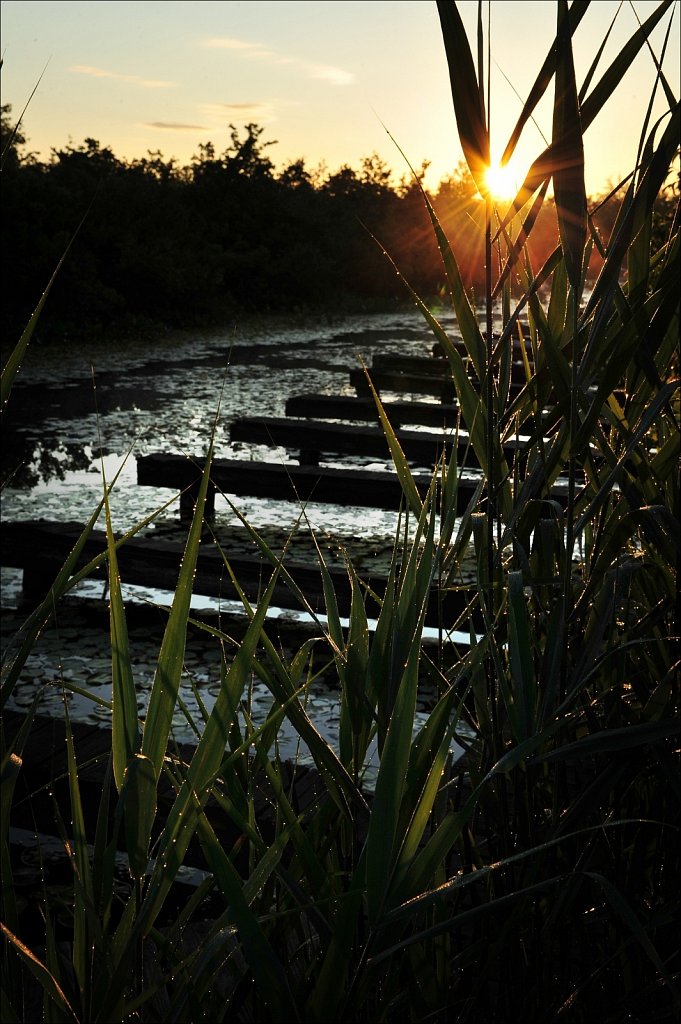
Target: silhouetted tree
{"x": 163, "y": 244}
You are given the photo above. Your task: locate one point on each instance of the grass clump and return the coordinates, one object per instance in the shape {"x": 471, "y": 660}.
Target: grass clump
{"x": 537, "y": 880}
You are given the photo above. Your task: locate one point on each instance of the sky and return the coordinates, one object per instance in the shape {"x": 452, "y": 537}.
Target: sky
{"x": 328, "y": 81}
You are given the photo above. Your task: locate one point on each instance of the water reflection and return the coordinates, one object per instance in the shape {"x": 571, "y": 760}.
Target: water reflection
{"x": 43, "y": 427}
{"x": 26, "y": 463}
{"x": 164, "y": 397}
{"x": 71, "y": 662}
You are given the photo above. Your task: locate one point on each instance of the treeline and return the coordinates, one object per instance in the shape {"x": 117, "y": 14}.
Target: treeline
{"x": 162, "y": 244}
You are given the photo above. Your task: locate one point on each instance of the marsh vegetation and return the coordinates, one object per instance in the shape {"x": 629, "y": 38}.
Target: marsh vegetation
{"x": 536, "y": 879}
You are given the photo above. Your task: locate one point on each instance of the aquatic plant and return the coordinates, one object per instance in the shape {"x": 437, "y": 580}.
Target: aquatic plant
{"x": 537, "y": 879}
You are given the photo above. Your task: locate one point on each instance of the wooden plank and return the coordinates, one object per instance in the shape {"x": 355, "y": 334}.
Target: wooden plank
{"x": 310, "y": 437}
{"x": 412, "y": 384}
{"x": 420, "y": 366}
{"x": 433, "y": 384}
{"x": 402, "y": 383}
{"x": 518, "y": 372}
{"x": 361, "y": 488}
{"x": 430, "y": 366}
{"x": 40, "y": 548}
{"x": 459, "y": 345}
{"x": 350, "y": 407}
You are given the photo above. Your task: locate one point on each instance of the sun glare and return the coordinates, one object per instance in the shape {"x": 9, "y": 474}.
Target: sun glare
{"x": 502, "y": 182}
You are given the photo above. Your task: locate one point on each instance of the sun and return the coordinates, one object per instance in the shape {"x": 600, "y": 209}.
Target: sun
{"x": 502, "y": 182}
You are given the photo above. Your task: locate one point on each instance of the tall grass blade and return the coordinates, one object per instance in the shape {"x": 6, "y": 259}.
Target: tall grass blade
{"x": 542, "y": 82}
{"x": 568, "y": 175}
{"x": 204, "y": 766}
{"x": 392, "y": 773}
{"x": 627, "y": 915}
{"x": 125, "y": 735}
{"x": 169, "y": 667}
{"x": 13, "y": 364}
{"x": 341, "y": 786}
{"x": 523, "y": 693}
{"x": 273, "y": 986}
{"x": 619, "y": 469}
{"x": 399, "y": 461}
{"x": 467, "y": 96}
{"x": 588, "y": 78}
{"x": 328, "y": 997}
{"x": 515, "y": 247}
{"x": 10, "y": 773}
{"x": 608, "y": 740}
{"x": 138, "y": 795}
{"x": 637, "y": 204}
{"x": 40, "y": 972}
{"x": 544, "y": 165}
{"x": 430, "y": 753}
{"x": 6, "y": 1010}
{"x": 13, "y": 134}
{"x": 356, "y": 710}
{"x": 603, "y": 90}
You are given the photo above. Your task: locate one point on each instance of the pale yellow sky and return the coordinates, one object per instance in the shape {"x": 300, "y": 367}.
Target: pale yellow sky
{"x": 322, "y": 78}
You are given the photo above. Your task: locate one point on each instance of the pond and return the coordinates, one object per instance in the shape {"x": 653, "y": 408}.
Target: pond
{"x": 77, "y": 408}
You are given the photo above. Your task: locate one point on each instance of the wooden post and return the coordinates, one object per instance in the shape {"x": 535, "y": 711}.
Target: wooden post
{"x": 308, "y": 457}
{"x": 188, "y": 500}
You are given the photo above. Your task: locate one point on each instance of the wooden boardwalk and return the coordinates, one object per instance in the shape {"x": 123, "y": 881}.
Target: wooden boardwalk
{"x": 40, "y": 548}
{"x": 312, "y": 437}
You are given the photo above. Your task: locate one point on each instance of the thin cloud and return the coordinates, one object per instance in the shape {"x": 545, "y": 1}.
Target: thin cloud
{"x": 262, "y": 113}
{"x": 335, "y": 76}
{"x": 144, "y": 83}
{"x": 175, "y": 126}
{"x": 227, "y": 43}
{"x": 320, "y": 72}
{"x": 242, "y": 45}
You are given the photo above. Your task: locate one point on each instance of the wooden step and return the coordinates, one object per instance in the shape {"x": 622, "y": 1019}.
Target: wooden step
{"x": 438, "y": 351}
{"x": 40, "y": 548}
{"x": 420, "y": 366}
{"x": 361, "y": 488}
{"x": 441, "y": 387}
{"x": 44, "y": 759}
{"x": 311, "y": 437}
{"x": 355, "y": 488}
{"x": 403, "y": 384}
{"x": 350, "y": 407}
{"x": 427, "y": 366}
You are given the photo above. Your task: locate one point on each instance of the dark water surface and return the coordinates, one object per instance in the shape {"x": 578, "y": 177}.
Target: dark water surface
{"x": 68, "y": 403}
{"x": 72, "y": 402}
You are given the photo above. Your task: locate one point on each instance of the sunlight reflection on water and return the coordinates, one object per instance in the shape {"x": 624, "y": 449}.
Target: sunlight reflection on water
{"x": 164, "y": 397}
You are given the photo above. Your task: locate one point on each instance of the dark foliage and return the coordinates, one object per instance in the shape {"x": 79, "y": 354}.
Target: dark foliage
{"x": 178, "y": 246}
{"x": 164, "y": 245}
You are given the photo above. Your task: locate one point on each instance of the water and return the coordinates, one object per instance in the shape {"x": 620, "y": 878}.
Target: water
{"x": 85, "y": 408}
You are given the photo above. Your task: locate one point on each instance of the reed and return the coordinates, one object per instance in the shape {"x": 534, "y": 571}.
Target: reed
{"x": 537, "y": 880}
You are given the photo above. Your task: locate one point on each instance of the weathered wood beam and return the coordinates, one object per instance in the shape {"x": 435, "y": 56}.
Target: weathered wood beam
{"x": 311, "y": 437}
{"x": 40, "y": 548}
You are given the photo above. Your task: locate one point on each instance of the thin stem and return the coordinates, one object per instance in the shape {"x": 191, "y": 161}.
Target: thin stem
{"x": 572, "y": 472}
{"x": 489, "y": 403}
{"x": 491, "y": 470}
